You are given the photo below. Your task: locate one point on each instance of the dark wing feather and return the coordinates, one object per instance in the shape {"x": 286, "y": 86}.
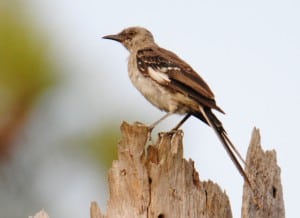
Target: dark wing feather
{"x": 180, "y": 76}
{"x": 169, "y": 70}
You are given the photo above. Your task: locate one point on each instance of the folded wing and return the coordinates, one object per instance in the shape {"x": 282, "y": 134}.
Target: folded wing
{"x": 166, "y": 68}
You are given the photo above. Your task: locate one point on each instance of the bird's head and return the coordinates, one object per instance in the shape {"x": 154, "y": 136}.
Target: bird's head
{"x": 133, "y": 38}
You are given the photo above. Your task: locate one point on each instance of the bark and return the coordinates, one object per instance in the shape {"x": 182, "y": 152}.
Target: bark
{"x": 267, "y": 199}
{"x": 158, "y": 181}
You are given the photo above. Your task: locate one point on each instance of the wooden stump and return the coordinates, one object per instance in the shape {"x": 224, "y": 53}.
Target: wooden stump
{"x": 267, "y": 199}
{"x": 157, "y": 182}
{"x": 160, "y": 182}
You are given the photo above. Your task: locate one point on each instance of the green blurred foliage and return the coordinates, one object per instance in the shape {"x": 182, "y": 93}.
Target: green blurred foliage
{"x": 102, "y": 145}
{"x": 25, "y": 70}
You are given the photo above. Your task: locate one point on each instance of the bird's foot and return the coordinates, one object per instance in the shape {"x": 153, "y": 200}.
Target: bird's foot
{"x": 150, "y": 129}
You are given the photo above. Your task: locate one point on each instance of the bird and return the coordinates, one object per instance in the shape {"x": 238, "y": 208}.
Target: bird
{"x": 172, "y": 85}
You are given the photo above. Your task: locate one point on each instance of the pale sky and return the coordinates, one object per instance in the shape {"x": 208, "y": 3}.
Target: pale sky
{"x": 248, "y": 52}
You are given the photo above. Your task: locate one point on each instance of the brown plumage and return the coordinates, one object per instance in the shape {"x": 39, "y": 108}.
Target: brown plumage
{"x": 172, "y": 85}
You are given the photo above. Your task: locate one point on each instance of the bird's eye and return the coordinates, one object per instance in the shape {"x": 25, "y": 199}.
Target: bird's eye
{"x": 131, "y": 33}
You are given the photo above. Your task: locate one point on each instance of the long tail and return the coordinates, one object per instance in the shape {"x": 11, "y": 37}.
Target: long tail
{"x": 208, "y": 117}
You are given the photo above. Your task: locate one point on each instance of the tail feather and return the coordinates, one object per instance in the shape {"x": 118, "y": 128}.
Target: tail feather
{"x": 233, "y": 153}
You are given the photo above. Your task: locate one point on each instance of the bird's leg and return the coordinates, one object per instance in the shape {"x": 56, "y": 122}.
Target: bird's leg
{"x": 181, "y": 122}
{"x": 151, "y": 127}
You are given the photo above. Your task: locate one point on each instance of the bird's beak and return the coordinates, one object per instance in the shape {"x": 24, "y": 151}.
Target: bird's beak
{"x": 117, "y": 38}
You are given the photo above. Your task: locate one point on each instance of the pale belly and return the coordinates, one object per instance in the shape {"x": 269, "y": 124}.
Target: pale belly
{"x": 161, "y": 97}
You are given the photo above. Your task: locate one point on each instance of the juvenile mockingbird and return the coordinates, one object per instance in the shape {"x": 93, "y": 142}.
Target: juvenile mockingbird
{"x": 172, "y": 85}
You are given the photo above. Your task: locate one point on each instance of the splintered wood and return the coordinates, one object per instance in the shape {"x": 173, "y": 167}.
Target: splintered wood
{"x": 159, "y": 182}
{"x": 267, "y": 199}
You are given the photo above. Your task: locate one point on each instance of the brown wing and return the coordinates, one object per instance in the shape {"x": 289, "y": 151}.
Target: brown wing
{"x": 169, "y": 70}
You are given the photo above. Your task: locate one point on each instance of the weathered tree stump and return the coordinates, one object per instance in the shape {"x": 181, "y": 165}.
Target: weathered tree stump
{"x": 157, "y": 182}
{"x": 267, "y": 199}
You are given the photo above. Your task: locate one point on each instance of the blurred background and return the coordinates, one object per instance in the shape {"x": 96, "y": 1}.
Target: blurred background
{"x": 64, "y": 92}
